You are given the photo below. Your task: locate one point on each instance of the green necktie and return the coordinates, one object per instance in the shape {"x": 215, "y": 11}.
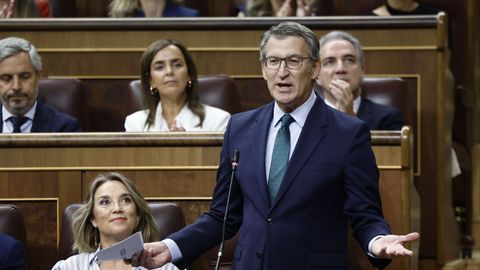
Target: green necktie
{"x": 280, "y": 155}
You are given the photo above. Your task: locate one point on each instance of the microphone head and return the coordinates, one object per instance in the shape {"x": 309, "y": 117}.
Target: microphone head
{"x": 236, "y": 156}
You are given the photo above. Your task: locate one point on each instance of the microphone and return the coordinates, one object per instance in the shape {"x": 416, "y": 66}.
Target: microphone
{"x": 235, "y": 158}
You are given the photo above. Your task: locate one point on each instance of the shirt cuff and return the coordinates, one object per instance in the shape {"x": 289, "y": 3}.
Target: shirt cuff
{"x": 370, "y": 246}
{"x": 174, "y": 250}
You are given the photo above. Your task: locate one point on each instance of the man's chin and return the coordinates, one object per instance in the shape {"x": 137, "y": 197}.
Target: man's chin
{"x": 18, "y": 109}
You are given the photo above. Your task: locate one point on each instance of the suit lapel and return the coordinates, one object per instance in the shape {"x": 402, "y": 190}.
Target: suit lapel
{"x": 312, "y": 134}
{"x": 40, "y": 119}
{"x": 259, "y": 136}
{"x": 364, "y": 111}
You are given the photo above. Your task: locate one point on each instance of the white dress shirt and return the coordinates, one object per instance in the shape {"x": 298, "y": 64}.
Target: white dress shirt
{"x": 25, "y": 128}
{"x": 299, "y": 115}
{"x": 356, "y": 104}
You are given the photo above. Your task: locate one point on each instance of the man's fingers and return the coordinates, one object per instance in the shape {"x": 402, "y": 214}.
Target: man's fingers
{"x": 409, "y": 237}
{"x": 341, "y": 84}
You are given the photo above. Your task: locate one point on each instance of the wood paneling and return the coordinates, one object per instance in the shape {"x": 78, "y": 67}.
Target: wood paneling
{"x": 476, "y": 197}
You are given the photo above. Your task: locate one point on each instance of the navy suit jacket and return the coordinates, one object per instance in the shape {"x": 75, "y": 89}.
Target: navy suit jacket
{"x": 47, "y": 119}
{"x": 331, "y": 179}
{"x": 379, "y": 116}
{"x": 11, "y": 253}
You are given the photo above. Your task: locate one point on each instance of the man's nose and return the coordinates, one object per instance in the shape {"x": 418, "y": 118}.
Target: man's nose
{"x": 340, "y": 67}
{"x": 283, "y": 69}
{"x": 16, "y": 83}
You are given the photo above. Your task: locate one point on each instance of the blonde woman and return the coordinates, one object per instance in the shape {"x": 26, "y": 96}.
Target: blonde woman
{"x": 115, "y": 209}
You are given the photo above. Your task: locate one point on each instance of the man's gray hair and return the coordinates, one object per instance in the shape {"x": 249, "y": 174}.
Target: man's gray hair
{"x": 291, "y": 29}
{"x": 340, "y": 35}
{"x": 13, "y": 45}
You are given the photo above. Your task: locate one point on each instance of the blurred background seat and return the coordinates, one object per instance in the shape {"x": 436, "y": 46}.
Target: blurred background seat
{"x": 68, "y": 96}
{"x": 11, "y": 222}
{"x": 387, "y": 91}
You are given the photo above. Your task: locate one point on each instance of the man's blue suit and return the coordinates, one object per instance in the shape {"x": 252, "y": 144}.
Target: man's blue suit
{"x": 379, "y": 116}
{"x": 47, "y": 119}
{"x": 331, "y": 178}
{"x": 11, "y": 253}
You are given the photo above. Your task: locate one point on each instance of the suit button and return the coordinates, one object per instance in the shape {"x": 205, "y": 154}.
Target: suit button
{"x": 269, "y": 221}
{"x": 259, "y": 255}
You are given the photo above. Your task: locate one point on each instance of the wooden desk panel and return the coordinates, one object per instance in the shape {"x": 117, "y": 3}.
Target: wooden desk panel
{"x": 475, "y": 196}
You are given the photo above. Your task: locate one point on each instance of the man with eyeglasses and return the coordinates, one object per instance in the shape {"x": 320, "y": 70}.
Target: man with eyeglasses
{"x": 342, "y": 66}
{"x": 305, "y": 171}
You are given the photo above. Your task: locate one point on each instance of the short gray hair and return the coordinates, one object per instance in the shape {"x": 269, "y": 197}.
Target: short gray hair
{"x": 340, "y": 35}
{"x": 291, "y": 29}
{"x": 13, "y": 45}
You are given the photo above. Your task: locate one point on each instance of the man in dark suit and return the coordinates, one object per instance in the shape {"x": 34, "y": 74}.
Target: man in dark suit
{"x": 20, "y": 72}
{"x": 305, "y": 171}
{"x": 342, "y": 66}
{"x": 11, "y": 253}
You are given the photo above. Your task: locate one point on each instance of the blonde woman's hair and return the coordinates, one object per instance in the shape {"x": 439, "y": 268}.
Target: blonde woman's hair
{"x": 87, "y": 238}
{"x": 122, "y": 8}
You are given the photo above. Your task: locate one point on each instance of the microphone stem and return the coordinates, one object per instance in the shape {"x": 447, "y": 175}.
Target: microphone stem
{"x": 224, "y": 225}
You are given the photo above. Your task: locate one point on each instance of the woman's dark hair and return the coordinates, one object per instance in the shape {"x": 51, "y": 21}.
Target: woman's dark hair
{"x": 151, "y": 101}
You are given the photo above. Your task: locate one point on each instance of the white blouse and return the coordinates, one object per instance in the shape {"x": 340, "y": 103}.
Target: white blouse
{"x": 215, "y": 120}
{"x": 87, "y": 261}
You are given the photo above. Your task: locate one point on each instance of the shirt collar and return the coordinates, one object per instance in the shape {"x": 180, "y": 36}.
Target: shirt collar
{"x": 30, "y": 114}
{"x": 299, "y": 114}
{"x": 356, "y": 103}
{"x": 92, "y": 257}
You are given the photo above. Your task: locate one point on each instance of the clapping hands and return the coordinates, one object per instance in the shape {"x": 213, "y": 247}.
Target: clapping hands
{"x": 6, "y": 11}
{"x": 303, "y": 8}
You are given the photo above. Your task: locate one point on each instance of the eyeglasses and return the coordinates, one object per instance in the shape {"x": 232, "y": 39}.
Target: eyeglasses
{"x": 292, "y": 62}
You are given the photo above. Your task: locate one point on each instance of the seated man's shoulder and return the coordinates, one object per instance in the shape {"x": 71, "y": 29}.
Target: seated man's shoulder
{"x": 61, "y": 122}
{"x": 380, "y": 116}
{"x": 8, "y": 240}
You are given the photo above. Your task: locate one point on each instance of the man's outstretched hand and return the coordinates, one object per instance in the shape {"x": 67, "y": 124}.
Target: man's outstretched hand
{"x": 391, "y": 246}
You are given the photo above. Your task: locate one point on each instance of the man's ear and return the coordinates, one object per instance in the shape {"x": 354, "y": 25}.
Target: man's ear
{"x": 39, "y": 75}
{"x": 316, "y": 70}
{"x": 264, "y": 72}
